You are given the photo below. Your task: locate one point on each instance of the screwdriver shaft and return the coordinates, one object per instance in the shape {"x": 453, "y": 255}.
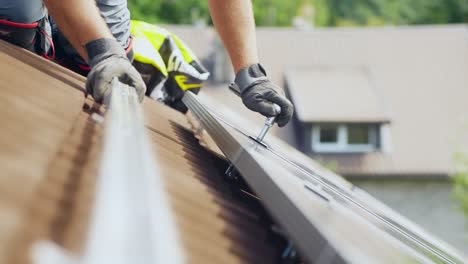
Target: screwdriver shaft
{"x": 268, "y": 124}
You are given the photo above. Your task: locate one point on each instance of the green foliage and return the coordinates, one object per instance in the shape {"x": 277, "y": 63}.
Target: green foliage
{"x": 267, "y": 12}
{"x": 281, "y": 13}
{"x": 460, "y": 189}
{"x": 170, "y": 11}
{"x": 322, "y": 12}
{"x": 327, "y": 12}
{"x": 397, "y": 12}
{"x": 275, "y": 12}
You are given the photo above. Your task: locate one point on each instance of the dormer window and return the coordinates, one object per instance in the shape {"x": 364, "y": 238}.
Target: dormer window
{"x": 344, "y": 138}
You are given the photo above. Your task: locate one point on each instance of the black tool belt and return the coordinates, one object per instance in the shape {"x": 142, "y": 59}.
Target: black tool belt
{"x": 35, "y": 37}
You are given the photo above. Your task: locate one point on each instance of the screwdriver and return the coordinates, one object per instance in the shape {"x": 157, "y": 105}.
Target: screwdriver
{"x": 269, "y": 122}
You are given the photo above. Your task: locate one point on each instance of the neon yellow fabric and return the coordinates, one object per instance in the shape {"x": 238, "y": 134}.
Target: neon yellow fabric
{"x": 148, "y": 39}
{"x": 144, "y": 47}
{"x": 181, "y": 81}
{"x": 187, "y": 53}
{"x": 178, "y": 61}
{"x": 156, "y": 35}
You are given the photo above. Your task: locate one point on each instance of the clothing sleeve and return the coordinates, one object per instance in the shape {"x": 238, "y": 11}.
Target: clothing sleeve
{"x": 22, "y": 11}
{"x": 117, "y": 17}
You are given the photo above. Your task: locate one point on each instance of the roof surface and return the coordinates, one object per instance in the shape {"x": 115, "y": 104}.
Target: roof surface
{"x": 322, "y": 94}
{"x": 49, "y": 156}
{"x": 199, "y": 39}
{"x": 52, "y": 148}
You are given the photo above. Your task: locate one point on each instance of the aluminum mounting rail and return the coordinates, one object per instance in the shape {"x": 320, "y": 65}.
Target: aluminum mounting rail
{"x": 324, "y": 223}
{"x": 131, "y": 221}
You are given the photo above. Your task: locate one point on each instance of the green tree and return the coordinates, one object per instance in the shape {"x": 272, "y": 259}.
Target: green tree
{"x": 267, "y": 12}
{"x": 397, "y": 12}
{"x": 275, "y": 12}
{"x": 460, "y": 189}
{"x": 169, "y": 11}
{"x": 327, "y": 12}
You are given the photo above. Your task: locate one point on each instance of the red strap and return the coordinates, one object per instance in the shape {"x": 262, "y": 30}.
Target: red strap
{"x": 130, "y": 45}
{"x": 18, "y": 25}
{"x": 84, "y": 67}
{"x": 52, "y": 46}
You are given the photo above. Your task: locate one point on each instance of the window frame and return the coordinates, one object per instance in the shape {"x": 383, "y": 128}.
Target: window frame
{"x": 342, "y": 145}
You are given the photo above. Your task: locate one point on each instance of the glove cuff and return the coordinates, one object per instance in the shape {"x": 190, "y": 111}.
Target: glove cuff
{"x": 250, "y": 76}
{"x": 101, "y": 49}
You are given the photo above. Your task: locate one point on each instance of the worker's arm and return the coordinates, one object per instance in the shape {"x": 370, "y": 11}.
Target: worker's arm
{"x": 81, "y": 22}
{"x": 235, "y": 24}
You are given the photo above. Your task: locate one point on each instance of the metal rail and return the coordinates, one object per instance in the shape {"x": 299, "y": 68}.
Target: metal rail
{"x": 131, "y": 220}
{"x": 265, "y": 170}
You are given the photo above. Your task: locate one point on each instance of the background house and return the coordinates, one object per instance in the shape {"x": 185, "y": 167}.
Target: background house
{"x": 389, "y": 102}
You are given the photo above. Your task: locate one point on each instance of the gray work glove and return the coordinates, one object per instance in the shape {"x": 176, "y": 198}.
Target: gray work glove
{"x": 259, "y": 94}
{"x": 107, "y": 60}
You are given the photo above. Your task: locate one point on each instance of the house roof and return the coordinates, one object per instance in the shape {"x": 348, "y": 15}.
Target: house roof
{"x": 50, "y": 152}
{"x": 199, "y": 39}
{"x": 419, "y": 74}
{"x": 327, "y": 94}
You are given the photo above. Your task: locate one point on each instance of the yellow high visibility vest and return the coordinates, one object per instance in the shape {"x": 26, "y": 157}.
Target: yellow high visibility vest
{"x": 149, "y": 41}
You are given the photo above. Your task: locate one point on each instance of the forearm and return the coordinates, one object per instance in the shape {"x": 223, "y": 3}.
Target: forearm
{"x": 235, "y": 24}
{"x": 79, "y": 20}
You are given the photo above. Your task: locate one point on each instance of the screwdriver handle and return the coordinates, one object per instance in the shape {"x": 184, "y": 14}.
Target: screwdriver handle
{"x": 269, "y": 123}
{"x": 271, "y": 120}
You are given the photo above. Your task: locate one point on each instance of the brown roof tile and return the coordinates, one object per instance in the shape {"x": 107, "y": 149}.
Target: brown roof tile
{"x": 49, "y": 155}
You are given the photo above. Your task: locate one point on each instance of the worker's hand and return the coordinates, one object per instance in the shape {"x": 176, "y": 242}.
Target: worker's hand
{"x": 259, "y": 94}
{"x": 108, "y": 60}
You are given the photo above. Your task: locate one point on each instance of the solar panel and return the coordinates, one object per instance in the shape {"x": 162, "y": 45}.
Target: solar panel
{"x": 327, "y": 218}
